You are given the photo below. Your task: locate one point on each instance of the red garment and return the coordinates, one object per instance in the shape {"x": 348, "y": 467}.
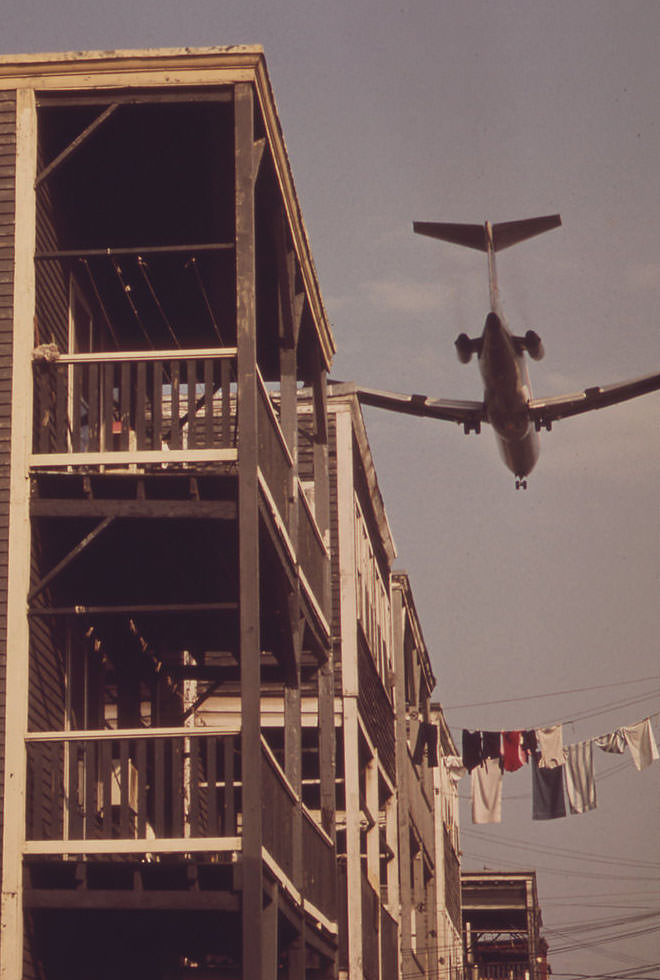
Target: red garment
{"x": 512, "y": 751}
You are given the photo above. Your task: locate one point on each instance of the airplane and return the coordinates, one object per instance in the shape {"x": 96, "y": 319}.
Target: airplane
{"x": 507, "y": 405}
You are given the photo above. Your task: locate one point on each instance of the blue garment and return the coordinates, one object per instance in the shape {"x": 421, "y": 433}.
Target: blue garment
{"x": 547, "y": 792}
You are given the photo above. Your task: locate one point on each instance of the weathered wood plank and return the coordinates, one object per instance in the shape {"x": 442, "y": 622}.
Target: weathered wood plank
{"x": 141, "y": 405}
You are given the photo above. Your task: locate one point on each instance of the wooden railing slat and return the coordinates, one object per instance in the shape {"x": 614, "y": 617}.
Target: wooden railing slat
{"x": 93, "y": 408}
{"x": 141, "y": 405}
{"x": 191, "y": 380}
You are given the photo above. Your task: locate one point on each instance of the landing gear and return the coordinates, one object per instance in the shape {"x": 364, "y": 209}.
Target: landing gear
{"x": 521, "y": 484}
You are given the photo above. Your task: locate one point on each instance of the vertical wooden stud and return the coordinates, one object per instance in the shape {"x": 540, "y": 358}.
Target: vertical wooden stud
{"x": 13, "y": 830}
{"x": 248, "y": 530}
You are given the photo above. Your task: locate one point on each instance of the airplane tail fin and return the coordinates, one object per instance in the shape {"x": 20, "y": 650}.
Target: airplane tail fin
{"x": 476, "y": 236}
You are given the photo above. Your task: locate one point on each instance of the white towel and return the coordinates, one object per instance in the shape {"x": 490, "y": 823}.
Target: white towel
{"x": 487, "y": 792}
{"x": 641, "y": 743}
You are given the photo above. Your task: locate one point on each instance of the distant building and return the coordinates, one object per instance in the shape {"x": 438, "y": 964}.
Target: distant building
{"x": 502, "y": 926}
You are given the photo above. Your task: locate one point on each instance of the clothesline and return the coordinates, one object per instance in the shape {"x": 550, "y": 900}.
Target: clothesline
{"x": 558, "y": 771}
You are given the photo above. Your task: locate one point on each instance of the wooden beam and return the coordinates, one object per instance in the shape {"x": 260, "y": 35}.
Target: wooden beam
{"x": 134, "y": 899}
{"x": 327, "y": 744}
{"x": 293, "y": 735}
{"x": 72, "y": 555}
{"x": 219, "y": 510}
{"x": 76, "y": 143}
{"x": 248, "y": 530}
{"x": 180, "y": 354}
{"x": 73, "y": 101}
{"x": 17, "y": 653}
{"x": 84, "y": 253}
{"x": 170, "y": 607}
{"x": 157, "y": 457}
{"x": 402, "y": 761}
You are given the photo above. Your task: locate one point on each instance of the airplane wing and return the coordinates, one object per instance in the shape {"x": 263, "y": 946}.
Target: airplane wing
{"x": 467, "y": 413}
{"x": 544, "y": 411}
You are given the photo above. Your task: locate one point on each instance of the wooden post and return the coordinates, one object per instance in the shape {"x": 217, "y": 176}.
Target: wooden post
{"x": 402, "y": 763}
{"x": 270, "y": 938}
{"x": 373, "y": 834}
{"x": 11, "y": 933}
{"x": 248, "y": 531}
{"x": 349, "y": 665}
{"x": 293, "y": 738}
{"x": 292, "y": 692}
{"x": 326, "y": 684}
{"x": 327, "y": 743}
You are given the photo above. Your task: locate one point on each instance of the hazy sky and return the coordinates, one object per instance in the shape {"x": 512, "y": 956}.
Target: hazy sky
{"x": 462, "y": 110}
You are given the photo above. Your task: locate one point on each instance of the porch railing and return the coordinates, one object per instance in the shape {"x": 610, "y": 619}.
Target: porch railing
{"x": 319, "y": 867}
{"x": 515, "y": 970}
{"x": 312, "y": 552}
{"x": 275, "y": 460}
{"x": 175, "y": 791}
{"x": 120, "y": 403}
{"x": 389, "y": 946}
{"x": 370, "y": 929}
{"x": 142, "y": 786}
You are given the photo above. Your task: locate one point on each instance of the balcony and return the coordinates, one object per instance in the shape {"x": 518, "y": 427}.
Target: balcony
{"x": 152, "y": 794}
{"x": 135, "y": 408}
{"x": 153, "y": 411}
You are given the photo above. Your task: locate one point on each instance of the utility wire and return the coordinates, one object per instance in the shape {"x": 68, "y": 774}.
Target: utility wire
{"x": 568, "y": 852}
{"x": 551, "y": 694}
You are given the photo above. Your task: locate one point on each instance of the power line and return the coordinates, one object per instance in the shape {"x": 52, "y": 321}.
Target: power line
{"x": 552, "y": 694}
{"x": 590, "y": 856}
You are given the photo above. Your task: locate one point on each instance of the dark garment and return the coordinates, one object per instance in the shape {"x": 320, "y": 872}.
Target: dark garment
{"x": 513, "y": 756}
{"x": 471, "y": 749}
{"x": 529, "y": 742}
{"x": 432, "y": 745}
{"x": 491, "y": 745}
{"x": 427, "y": 736}
{"x": 547, "y": 792}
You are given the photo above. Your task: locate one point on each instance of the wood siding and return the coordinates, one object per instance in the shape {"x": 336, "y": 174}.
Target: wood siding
{"x": 7, "y": 201}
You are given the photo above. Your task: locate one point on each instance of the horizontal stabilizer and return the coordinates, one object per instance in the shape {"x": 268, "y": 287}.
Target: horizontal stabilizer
{"x": 475, "y": 236}
{"x": 511, "y": 232}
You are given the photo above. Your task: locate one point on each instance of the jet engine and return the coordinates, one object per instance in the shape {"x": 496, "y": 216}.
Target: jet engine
{"x": 534, "y": 345}
{"x": 464, "y": 348}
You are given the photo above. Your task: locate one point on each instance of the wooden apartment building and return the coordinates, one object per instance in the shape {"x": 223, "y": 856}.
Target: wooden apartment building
{"x": 210, "y": 684}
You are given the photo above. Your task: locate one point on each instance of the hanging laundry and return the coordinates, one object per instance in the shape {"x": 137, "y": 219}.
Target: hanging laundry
{"x": 580, "y": 782}
{"x": 529, "y": 742}
{"x": 427, "y": 736}
{"x": 547, "y": 792}
{"x": 471, "y": 749}
{"x": 551, "y": 746}
{"x": 491, "y": 745}
{"x": 432, "y": 746}
{"x": 487, "y": 792}
{"x": 613, "y": 742}
{"x": 455, "y": 768}
{"x": 513, "y": 754}
{"x": 641, "y": 742}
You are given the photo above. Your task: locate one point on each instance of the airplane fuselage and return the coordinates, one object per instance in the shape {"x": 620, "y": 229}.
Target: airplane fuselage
{"x": 507, "y": 404}
{"x": 506, "y": 396}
